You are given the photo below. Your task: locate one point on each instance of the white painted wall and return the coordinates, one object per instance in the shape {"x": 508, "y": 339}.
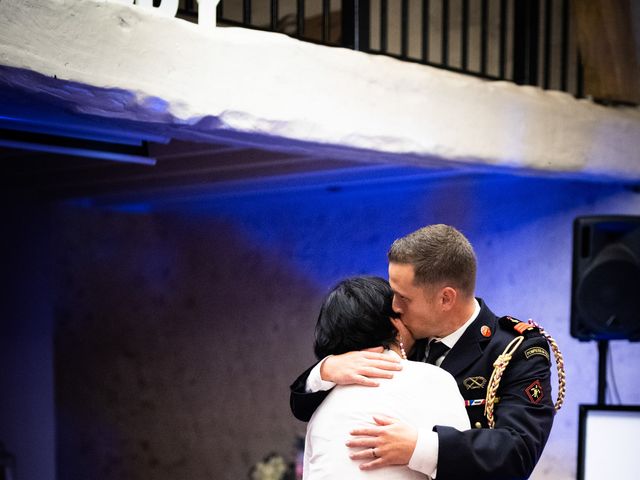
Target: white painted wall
{"x": 191, "y": 82}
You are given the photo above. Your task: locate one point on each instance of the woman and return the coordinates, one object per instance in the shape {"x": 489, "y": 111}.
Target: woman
{"x": 357, "y": 314}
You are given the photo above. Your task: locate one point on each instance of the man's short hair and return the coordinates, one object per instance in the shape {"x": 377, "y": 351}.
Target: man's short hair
{"x": 355, "y": 315}
{"x": 439, "y": 254}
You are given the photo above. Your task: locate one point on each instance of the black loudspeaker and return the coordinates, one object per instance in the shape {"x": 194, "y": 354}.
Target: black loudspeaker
{"x": 605, "y": 291}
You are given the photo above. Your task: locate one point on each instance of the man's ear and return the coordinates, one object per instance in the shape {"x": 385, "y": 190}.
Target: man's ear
{"x": 448, "y": 297}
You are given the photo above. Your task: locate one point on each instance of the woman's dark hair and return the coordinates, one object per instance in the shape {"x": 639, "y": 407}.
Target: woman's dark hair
{"x": 355, "y": 315}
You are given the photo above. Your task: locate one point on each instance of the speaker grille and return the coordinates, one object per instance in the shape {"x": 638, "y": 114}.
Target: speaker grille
{"x": 606, "y": 278}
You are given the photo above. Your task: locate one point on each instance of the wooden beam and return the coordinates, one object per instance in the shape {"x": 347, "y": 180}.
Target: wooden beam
{"x": 609, "y": 52}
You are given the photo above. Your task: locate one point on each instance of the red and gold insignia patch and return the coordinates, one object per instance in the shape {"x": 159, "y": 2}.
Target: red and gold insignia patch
{"x": 485, "y": 331}
{"x": 517, "y": 325}
{"x": 521, "y": 327}
{"x": 534, "y": 392}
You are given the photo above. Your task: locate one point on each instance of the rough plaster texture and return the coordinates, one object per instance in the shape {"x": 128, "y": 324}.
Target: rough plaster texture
{"x": 109, "y": 60}
{"x": 174, "y": 345}
{"x": 179, "y": 330}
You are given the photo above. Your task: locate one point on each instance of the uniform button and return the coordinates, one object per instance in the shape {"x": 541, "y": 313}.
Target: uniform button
{"x": 478, "y": 425}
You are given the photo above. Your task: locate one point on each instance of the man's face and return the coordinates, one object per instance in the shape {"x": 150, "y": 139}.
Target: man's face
{"x": 416, "y": 304}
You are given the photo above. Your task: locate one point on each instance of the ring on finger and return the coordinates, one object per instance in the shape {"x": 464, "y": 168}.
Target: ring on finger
{"x": 373, "y": 452}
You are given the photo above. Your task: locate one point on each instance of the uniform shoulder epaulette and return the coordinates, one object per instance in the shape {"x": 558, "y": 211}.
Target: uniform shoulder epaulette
{"x": 522, "y": 329}
{"x": 517, "y": 327}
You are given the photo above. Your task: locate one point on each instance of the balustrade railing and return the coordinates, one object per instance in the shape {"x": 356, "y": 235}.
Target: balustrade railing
{"x": 529, "y": 42}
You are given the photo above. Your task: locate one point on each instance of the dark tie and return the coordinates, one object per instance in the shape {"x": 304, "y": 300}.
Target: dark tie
{"x": 436, "y": 350}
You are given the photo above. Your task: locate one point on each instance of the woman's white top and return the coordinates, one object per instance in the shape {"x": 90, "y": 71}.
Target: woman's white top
{"x": 420, "y": 395}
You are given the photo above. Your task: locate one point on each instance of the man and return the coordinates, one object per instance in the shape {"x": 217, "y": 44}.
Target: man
{"x": 432, "y": 273}
{"x": 357, "y": 314}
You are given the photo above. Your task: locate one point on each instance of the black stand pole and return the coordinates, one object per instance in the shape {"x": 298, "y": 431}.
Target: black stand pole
{"x": 603, "y": 348}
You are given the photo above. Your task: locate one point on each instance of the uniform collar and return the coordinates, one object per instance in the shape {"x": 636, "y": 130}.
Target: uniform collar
{"x": 471, "y": 344}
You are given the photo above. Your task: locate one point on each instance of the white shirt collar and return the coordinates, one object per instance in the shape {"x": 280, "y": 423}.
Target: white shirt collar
{"x": 451, "y": 339}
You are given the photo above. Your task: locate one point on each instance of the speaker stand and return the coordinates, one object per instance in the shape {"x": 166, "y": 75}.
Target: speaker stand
{"x": 603, "y": 349}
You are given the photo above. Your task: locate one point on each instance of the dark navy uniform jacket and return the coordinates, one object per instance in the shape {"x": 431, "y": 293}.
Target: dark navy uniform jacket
{"x": 523, "y": 415}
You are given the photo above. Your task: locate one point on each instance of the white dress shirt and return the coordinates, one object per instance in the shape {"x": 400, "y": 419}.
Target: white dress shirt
{"x": 419, "y": 395}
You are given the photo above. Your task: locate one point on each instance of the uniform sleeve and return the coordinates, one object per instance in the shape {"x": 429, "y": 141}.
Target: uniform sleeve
{"x": 524, "y": 415}
{"x": 303, "y": 404}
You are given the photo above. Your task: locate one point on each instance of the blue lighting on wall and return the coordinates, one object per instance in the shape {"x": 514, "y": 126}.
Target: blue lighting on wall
{"x": 297, "y": 225}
